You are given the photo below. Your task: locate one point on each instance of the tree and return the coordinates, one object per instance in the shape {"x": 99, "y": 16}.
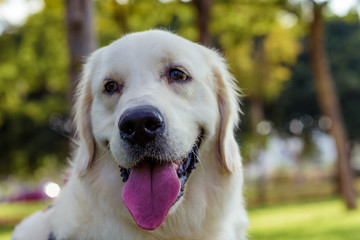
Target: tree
{"x": 298, "y": 95}
{"x": 203, "y": 8}
{"x": 80, "y": 35}
{"x": 329, "y": 103}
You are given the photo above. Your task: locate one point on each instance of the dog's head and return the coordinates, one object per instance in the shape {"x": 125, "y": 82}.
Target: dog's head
{"x": 155, "y": 100}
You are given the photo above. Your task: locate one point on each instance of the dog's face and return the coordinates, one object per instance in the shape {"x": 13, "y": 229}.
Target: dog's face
{"x": 153, "y": 100}
{"x": 147, "y": 79}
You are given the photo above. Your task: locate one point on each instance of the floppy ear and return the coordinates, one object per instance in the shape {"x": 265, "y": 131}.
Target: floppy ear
{"x": 86, "y": 147}
{"x": 228, "y": 104}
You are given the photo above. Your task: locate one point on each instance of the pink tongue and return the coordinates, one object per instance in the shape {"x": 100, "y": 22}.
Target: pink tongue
{"x": 149, "y": 193}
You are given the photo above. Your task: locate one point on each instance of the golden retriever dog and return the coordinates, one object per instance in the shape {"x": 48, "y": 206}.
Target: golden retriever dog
{"x": 156, "y": 156}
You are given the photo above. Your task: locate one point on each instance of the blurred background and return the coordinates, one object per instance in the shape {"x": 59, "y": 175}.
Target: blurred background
{"x": 296, "y": 61}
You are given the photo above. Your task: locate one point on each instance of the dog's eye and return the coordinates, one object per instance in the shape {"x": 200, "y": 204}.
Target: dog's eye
{"x": 111, "y": 87}
{"x": 178, "y": 75}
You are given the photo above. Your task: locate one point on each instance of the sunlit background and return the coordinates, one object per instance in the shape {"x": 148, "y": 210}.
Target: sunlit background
{"x": 293, "y": 186}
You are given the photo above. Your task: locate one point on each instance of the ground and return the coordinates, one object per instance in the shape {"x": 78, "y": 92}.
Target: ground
{"x": 325, "y": 219}
{"x": 321, "y": 220}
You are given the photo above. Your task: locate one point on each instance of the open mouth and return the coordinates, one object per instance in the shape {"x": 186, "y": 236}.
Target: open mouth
{"x": 152, "y": 187}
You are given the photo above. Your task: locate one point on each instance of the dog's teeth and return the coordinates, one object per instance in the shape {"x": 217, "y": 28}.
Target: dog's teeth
{"x": 176, "y": 165}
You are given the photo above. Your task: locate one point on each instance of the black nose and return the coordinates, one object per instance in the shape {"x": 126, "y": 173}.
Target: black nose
{"x": 141, "y": 125}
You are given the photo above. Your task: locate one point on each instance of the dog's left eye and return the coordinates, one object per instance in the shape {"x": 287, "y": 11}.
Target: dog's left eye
{"x": 178, "y": 75}
{"x": 111, "y": 87}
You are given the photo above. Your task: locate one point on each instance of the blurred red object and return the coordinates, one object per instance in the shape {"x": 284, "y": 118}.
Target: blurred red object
{"x": 30, "y": 195}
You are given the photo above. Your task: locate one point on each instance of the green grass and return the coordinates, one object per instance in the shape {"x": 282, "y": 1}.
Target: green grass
{"x": 5, "y": 232}
{"x": 12, "y": 213}
{"x": 19, "y": 210}
{"x": 322, "y": 220}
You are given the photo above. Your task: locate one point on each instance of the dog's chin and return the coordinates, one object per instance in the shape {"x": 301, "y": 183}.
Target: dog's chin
{"x": 153, "y": 185}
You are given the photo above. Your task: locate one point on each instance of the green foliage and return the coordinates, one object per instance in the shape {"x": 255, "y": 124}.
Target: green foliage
{"x": 114, "y": 20}
{"x": 259, "y": 49}
{"x": 33, "y": 88}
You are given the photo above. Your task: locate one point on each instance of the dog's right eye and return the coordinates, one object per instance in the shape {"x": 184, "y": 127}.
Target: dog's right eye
{"x": 178, "y": 75}
{"x": 111, "y": 87}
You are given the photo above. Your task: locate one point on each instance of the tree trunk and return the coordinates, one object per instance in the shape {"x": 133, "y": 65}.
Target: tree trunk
{"x": 80, "y": 35}
{"x": 203, "y": 18}
{"x": 329, "y": 103}
{"x": 257, "y": 116}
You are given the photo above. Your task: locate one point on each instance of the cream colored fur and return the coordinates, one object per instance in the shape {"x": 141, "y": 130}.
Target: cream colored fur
{"x": 90, "y": 204}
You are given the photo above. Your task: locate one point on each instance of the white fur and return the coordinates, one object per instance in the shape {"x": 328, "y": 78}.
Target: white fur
{"x": 90, "y": 205}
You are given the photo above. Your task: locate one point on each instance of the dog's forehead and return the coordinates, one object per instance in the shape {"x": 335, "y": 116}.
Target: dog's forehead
{"x": 156, "y": 45}
{"x": 145, "y": 55}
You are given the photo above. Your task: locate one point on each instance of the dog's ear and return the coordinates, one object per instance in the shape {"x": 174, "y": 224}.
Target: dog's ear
{"x": 86, "y": 148}
{"x": 229, "y": 109}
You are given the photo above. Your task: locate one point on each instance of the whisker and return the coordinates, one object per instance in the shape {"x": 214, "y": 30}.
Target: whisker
{"x": 199, "y": 161}
{"x": 106, "y": 154}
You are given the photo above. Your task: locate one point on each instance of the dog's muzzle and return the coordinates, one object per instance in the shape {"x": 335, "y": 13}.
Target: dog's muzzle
{"x": 153, "y": 184}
